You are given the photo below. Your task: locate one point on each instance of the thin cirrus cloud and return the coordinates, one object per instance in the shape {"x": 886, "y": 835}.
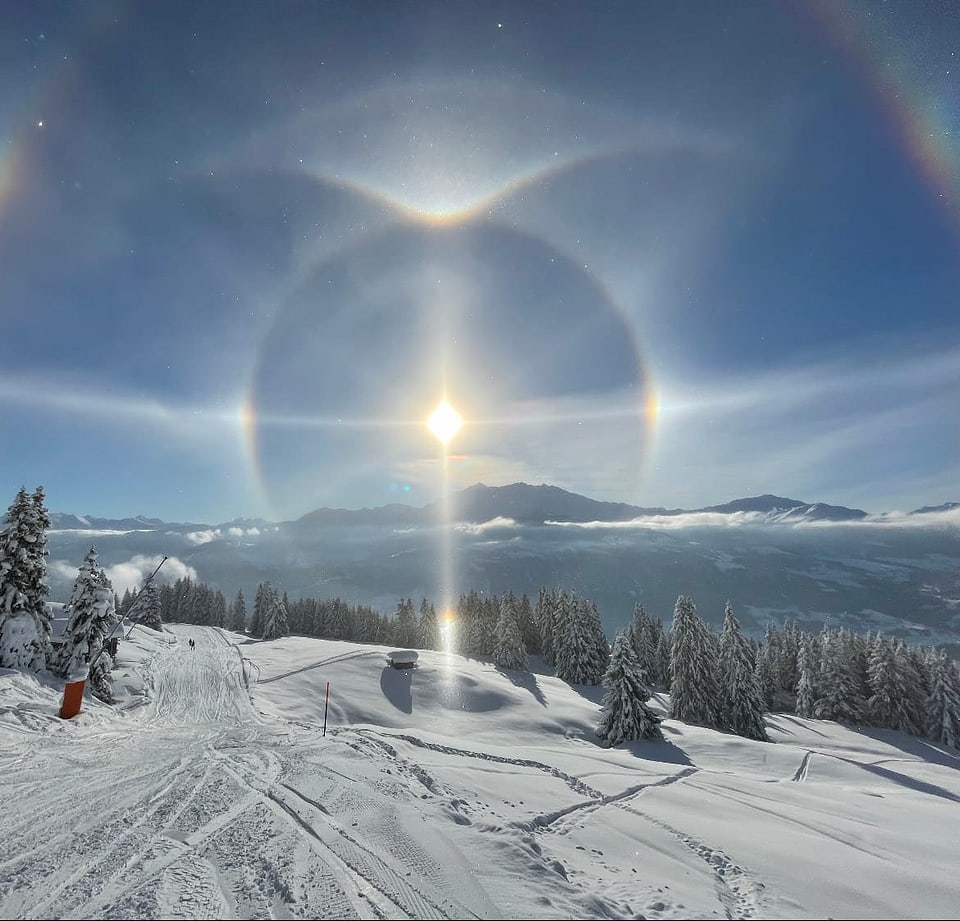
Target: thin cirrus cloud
{"x": 834, "y": 430}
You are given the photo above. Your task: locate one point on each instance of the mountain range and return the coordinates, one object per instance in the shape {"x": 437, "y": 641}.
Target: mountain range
{"x": 774, "y": 558}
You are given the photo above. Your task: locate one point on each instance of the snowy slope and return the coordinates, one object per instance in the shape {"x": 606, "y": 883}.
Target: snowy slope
{"x": 453, "y": 790}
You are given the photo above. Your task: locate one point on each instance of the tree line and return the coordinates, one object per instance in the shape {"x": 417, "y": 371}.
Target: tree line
{"x": 724, "y": 681}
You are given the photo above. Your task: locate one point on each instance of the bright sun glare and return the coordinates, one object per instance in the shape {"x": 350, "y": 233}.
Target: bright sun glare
{"x": 445, "y": 422}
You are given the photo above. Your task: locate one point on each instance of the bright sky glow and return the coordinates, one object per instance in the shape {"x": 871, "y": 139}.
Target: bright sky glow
{"x": 573, "y": 217}
{"x": 444, "y": 422}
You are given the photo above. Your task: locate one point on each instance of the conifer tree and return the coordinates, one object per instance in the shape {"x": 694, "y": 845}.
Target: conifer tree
{"x": 219, "y": 618}
{"x": 238, "y": 614}
{"x": 428, "y": 629}
{"x": 648, "y": 641}
{"x": 693, "y": 667}
{"x": 546, "y": 615}
{"x": 38, "y": 588}
{"x": 92, "y": 618}
{"x": 942, "y": 712}
{"x": 652, "y": 642}
{"x": 483, "y": 626}
{"x": 892, "y": 684}
{"x": 625, "y": 714}
{"x": 660, "y": 668}
{"x": 24, "y": 622}
{"x": 275, "y": 617}
{"x": 582, "y": 652}
{"x": 468, "y": 609}
{"x": 789, "y": 671}
{"x": 509, "y": 651}
{"x": 839, "y": 688}
{"x": 529, "y": 631}
{"x": 807, "y": 661}
{"x": 768, "y": 666}
{"x": 125, "y": 602}
{"x": 147, "y": 611}
{"x": 259, "y": 609}
{"x": 740, "y": 706}
{"x": 405, "y": 624}
{"x": 639, "y": 637}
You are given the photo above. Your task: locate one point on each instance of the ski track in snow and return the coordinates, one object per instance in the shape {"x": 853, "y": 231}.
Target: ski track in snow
{"x": 203, "y": 808}
{"x": 343, "y": 657}
{"x": 235, "y": 839}
{"x": 738, "y": 892}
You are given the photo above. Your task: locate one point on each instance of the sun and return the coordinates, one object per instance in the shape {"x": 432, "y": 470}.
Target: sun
{"x": 445, "y": 422}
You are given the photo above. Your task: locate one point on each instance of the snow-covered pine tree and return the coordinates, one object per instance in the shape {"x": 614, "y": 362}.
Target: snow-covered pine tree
{"x": 625, "y": 715}
{"x": 259, "y": 609}
{"x": 428, "y": 629}
{"x": 39, "y": 589}
{"x": 582, "y": 653}
{"x": 405, "y": 624}
{"x": 942, "y": 724}
{"x": 768, "y": 666}
{"x": 693, "y": 667}
{"x": 636, "y": 632}
{"x": 660, "y": 669}
{"x": 238, "y": 614}
{"x": 839, "y": 688}
{"x": 24, "y": 627}
{"x": 219, "y": 609}
{"x": 740, "y": 708}
{"x": 464, "y": 612}
{"x": 893, "y": 685}
{"x": 92, "y": 617}
{"x": 789, "y": 657}
{"x": 341, "y": 620}
{"x": 483, "y": 627}
{"x": 147, "y": 611}
{"x": 546, "y": 614}
{"x": 125, "y": 602}
{"x": 529, "y": 631}
{"x": 275, "y": 618}
{"x": 509, "y": 651}
{"x": 808, "y": 660}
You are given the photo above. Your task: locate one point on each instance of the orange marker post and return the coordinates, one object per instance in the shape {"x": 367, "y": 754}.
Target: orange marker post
{"x": 73, "y": 693}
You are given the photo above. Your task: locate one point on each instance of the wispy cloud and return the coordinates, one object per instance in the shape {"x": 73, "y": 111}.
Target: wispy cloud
{"x": 847, "y": 431}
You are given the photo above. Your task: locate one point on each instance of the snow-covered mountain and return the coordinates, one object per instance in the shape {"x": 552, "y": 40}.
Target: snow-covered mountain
{"x": 774, "y": 558}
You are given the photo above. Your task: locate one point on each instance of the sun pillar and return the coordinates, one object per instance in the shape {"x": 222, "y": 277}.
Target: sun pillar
{"x": 445, "y": 422}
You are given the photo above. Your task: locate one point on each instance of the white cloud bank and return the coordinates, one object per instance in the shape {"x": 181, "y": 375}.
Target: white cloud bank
{"x": 132, "y": 573}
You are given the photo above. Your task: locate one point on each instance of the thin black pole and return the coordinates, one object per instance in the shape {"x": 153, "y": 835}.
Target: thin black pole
{"x": 325, "y": 706}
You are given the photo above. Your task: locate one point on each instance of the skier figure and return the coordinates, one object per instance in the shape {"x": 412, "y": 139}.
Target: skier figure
{"x": 192, "y": 644}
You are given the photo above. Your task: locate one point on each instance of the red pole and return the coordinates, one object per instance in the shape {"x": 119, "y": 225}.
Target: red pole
{"x": 325, "y": 705}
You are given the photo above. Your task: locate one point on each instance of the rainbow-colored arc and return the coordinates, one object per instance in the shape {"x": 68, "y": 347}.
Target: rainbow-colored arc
{"x": 918, "y": 118}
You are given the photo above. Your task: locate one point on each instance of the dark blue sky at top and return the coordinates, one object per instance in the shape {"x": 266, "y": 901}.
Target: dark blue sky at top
{"x": 714, "y": 205}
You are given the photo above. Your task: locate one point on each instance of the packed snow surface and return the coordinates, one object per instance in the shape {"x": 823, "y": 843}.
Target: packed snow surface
{"x": 222, "y": 785}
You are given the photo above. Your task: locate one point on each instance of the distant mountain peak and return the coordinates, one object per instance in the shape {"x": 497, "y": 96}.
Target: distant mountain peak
{"x": 764, "y": 503}
{"x": 786, "y": 509}
{"x": 942, "y": 507}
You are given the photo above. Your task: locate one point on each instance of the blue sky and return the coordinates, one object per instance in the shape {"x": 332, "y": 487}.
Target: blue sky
{"x": 658, "y": 253}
